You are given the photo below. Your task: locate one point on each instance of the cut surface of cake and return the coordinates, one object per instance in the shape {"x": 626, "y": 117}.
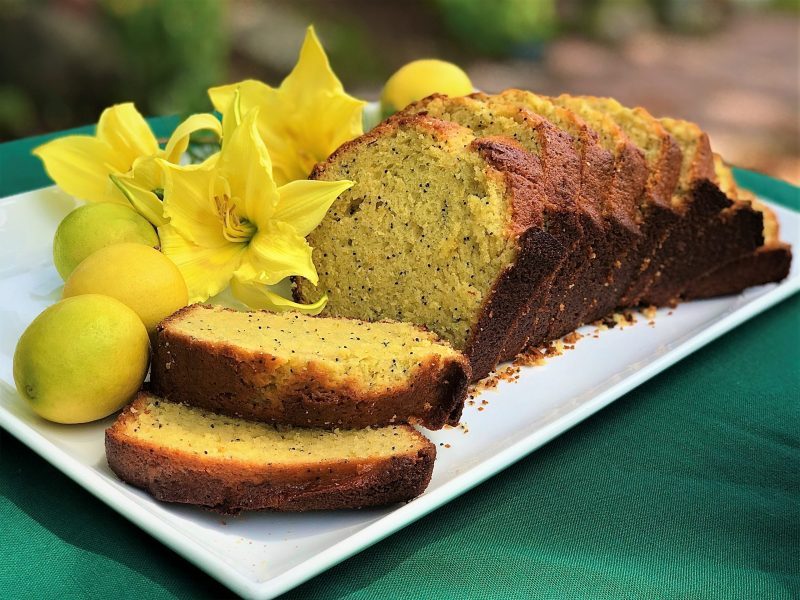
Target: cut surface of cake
{"x": 294, "y": 369}
{"x": 440, "y": 228}
{"x": 189, "y": 455}
{"x": 576, "y": 225}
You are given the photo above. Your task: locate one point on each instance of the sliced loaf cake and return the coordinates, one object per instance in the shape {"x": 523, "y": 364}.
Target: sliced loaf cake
{"x": 188, "y": 455}
{"x": 440, "y": 229}
{"x": 294, "y": 369}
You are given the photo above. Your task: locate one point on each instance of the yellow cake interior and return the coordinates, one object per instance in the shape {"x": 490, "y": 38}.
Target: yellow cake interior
{"x": 180, "y": 428}
{"x": 421, "y": 236}
{"x": 372, "y": 354}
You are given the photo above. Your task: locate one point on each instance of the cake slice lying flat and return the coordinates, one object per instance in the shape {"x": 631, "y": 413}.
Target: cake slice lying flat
{"x": 188, "y": 455}
{"x": 293, "y": 369}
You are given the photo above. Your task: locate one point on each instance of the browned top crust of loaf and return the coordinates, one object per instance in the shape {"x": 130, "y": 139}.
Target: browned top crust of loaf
{"x": 539, "y": 252}
{"x": 233, "y": 486}
{"x": 232, "y": 380}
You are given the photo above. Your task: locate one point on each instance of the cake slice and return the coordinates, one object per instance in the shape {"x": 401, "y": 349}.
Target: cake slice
{"x": 440, "y": 228}
{"x": 767, "y": 264}
{"x": 294, "y": 369}
{"x": 713, "y": 228}
{"x": 663, "y": 158}
{"x": 612, "y": 177}
{"x": 579, "y": 229}
{"x": 191, "y": 456}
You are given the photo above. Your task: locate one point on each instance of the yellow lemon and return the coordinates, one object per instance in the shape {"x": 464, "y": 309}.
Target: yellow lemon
{"x": 421, "y": 78}
{"x": 93, "y": 226}
{"x": 81, "y": 359}
{"x": 136, "y": 275}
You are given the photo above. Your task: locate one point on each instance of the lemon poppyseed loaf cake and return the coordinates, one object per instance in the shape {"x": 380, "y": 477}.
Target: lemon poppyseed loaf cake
{"x": 188, "y": 455}
{"x": 714, "y": 228}
{"x": 294, "y": 369}
{"x": 578, "y": 228}
{"x": 768, "y": 263}
{"x": 440, "y": 228}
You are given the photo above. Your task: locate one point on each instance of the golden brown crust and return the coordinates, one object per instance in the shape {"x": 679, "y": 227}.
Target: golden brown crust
{"x": 228, "y": 379}
{"x": 232, "y": 486}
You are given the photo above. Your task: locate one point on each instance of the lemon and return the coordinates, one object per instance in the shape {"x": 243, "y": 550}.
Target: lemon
{"x": 138, "y": 276}
{"x": 421, "y": 78}
{"x": 94, "y": 226}
{"x": 81, "y": 359}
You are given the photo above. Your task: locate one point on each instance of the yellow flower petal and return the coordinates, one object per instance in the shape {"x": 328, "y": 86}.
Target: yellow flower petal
{"x": 303, "y": 203}
{"x": 246, "y": 164}
{"x": 80, "y": 165}
{"x": 304, "y": 120}
{"x": 179, "y": 140}
{"x": 207, "y": 271}
{"x": 189, "y": 203}
{"x": 260, "y": 297}
{"x": 147, "y": 173}
{"x": 125, "y": 130}
{"x": 145, "y": 202}
{"x": 251, "y": 94}
{"x": 313, "y": 70}
{"x": 274, "y": 253}
{"x": 229, "y": 102}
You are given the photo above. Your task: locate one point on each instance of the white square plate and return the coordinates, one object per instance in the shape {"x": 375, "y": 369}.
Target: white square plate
{"x": 261, "y": 555}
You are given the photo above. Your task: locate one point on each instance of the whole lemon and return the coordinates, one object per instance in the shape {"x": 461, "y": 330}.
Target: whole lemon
{"x": 93, "y": 226}
{"x": 138, "y": 276}
{"x": 81, "y": 359}
{"x": 421, "y": 78}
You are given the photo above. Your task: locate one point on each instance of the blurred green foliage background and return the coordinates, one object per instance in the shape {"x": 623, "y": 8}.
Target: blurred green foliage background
{"x": 731, "y": 65}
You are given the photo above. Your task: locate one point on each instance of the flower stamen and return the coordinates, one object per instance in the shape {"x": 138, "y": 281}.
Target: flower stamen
{"x": 234, "y": 228}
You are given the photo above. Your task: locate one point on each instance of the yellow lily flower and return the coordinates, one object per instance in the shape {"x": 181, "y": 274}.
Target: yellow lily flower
{"x": 229, "y": 223}
{"x": 116, "y": 164}
{"x": 305, "y": 119}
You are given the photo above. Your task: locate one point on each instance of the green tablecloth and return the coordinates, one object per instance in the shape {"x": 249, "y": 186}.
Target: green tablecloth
{"x": 687, "y": 487}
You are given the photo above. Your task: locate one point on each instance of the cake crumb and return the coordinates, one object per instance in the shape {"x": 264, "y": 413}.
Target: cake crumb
{"x": 649, "y": 312}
